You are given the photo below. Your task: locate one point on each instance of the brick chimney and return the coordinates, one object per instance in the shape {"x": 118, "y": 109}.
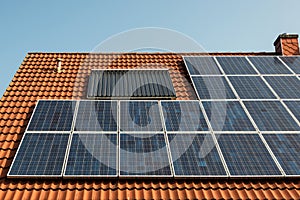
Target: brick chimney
{"x": 287, "y": 44}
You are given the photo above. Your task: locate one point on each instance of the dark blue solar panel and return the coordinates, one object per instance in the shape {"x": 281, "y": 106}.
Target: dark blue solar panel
{"x": 251, "y": 87}
{"x": 294, "y": 106}
{"x": 293, "y": 62}
{"x": 97, "y": 116}
{"x": 245, "y": 154}
{"x": 144, "y": 155}
{"x": 286, "y": 149}
{"x": 269, "y": 65}
{"x": 213, "y": 87}
{"x": 40, "y": 154}
{"x": 93, "y": 155}
{"x": 183, "y": 116}
{"x": 227, "y": 116}
{"x": 287, "y": 87}
{"x": 52, "y": 115}
{"x": 195, "y": 154}
{"x": 140, "y": 116}
{"x": 202, "y": 65}
{"x": 271, "y": 116}
{"x": 236, "y": 65}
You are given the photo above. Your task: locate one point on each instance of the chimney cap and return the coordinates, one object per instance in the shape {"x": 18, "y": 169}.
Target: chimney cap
{"x": 284, "y": 35}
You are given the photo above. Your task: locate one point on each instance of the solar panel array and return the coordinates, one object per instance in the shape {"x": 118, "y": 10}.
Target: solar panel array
{"x": 246, "y": 123}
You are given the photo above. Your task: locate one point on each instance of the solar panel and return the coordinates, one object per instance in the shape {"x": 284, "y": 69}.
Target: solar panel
{"x": 97, "y": 116}
{"x": 236, "y": 65}
{"x": 195, "y": 155}
{"x": 140, "y": 116}
{"x": 294, "y": 106}
{"x": 287, "y": 87}
{"x": 227, "y": 116}
{"x": 183, "y": 116}
{"x": 92, "y": 155}
{"x": 144, "y": 155}
{"x": 251, "y": 87}
{"x": 246, "y": 155}
{"x": 286, "y": 149}
{"x": 213, "y": 87}
{"x": 52, "y": 115}
{"x": 271, "y": 116}
{"x": 293, "y": 62}
{"x": 269, "y": 65}
{"x": 40, "y": 154}
{"x": 202, "y": 65}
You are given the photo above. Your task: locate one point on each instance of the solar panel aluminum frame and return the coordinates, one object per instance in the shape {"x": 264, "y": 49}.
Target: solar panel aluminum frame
{"x": 95, "y": 100}
{"x": 201, "y": 109}
{"x": 147, "y": 176}
{"x": 269, "y": 151}
{"x": 278, "y": 57}
{"x": 291, "y": 56}
{"x": 286, "y": 133}
{"x": 140, "y": 132}
{"x": 200, "y": 176}
{"x": 74, "y": 103}
{"x": 91, "y": 176}
{"x": 136, "y": 98}
{"x": 37, "y": 176}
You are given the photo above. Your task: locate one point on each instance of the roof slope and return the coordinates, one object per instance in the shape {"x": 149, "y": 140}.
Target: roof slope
{"x": 38, "y": 79}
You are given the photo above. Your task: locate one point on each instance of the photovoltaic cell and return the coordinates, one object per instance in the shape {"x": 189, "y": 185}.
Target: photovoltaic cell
{"x": 227, "y": 116}
{"x": 140, "y": 116}
{"x": 52, "y": 115}
{"x": 235, "y": 65}
{"x": 144, "y": 155}
{"x": 183, "y": 116}
{"x": 286, "y": 149}
{"x": 97, "y": 116}
{"x": 195, "y": 155}
{"x": 294, "y": 106}
{"x": 287, "y": 87}
{"x": 202, "y": 65}
{"x": 40, "y": 154}
{"x": 213, "y": 87}
{"x": 271, "y": 116}
{"x": 293, "y": 62}
{"x": 251, "y": 87}
{"x": 245, "y": 154}
{"x": 92, "y": 155}
{"x": 269, "y": 65}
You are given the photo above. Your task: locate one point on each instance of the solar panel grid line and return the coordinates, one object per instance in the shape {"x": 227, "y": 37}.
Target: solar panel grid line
{"x": 169, "y": 154}
{"x": 208, "y": 66}
{"x": 286, "y": 65}
{"x": 270, "y": 87}
{"x": 290, "y": 112}
{"x": 249, "y": 115}
{"x": 84, "y": 155}
{"x": 183, "y": 156}
{"x": 39, "y": 158}
{"x": 247, "y": 156}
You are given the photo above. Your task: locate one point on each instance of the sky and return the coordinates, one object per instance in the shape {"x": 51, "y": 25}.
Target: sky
{"x": 79, "y": 26}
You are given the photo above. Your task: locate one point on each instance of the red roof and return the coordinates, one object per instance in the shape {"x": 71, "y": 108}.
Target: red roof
{"x": 37, "y": 79}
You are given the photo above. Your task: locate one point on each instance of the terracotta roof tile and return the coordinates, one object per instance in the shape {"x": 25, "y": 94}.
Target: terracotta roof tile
{"x": 37, "y": 79}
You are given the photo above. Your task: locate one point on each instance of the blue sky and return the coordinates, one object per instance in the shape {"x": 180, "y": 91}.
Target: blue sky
{"x": 78, "y": 26}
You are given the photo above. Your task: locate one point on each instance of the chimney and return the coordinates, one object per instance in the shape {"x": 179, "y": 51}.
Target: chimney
{"x": 287, "y": 44}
